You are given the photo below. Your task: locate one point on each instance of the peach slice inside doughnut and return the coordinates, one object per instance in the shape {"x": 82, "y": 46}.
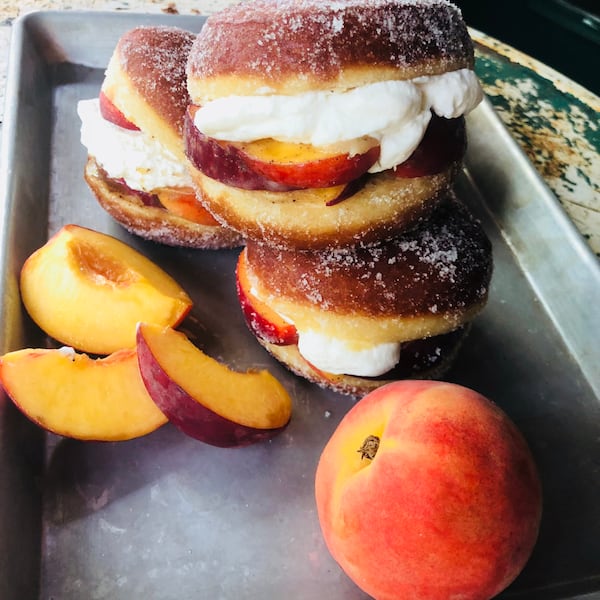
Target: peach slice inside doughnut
{"x": 183, "y": 202}
{"x": 273, "y": 165}
{"x": 262, "y": 320}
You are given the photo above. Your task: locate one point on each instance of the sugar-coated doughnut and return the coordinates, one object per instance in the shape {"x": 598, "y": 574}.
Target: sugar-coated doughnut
{"x": 282, "y": 49}
{"x": 428, "y": 282}
{"x": 146, "y": 82}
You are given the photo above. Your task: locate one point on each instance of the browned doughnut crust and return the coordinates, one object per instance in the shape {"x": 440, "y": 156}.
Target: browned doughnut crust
{"x": 353, "y": 385}
{"x": 385, "y": 206}
{"x": 153, "y": 223}
{"x": 300, "y": 45}
{"x": 443, "y": 262}
{"x": 146, "y": 81}
{"x": 425, "y": 282}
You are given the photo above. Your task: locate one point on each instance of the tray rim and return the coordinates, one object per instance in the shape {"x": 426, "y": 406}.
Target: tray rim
{"x": 584, "y": 265}
{"x": 13, "y": 83}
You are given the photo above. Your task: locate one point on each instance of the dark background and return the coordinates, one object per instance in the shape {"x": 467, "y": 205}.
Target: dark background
{"x": 564, "y": 34}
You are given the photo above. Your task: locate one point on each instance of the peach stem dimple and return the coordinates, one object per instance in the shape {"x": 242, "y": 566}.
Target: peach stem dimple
{"x": 369, "y": 447}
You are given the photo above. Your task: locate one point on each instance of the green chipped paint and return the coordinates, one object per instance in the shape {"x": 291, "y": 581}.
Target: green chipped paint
{"x": 493, "y": 70}
{"x": 559, "y": 132}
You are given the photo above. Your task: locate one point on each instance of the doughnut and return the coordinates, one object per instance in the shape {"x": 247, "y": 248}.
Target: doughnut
{"x": 136, "y": 166}
{"x": 295, "y": 47}
{"x": 317, "y": 124}
{"x": 415, "y": 293}
{"x": 145, "y": 79}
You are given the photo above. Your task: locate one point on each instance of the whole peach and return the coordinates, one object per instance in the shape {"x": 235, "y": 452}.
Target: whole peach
{"x": 428, "y": 491}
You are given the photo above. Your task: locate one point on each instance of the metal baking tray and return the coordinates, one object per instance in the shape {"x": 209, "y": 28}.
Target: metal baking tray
{"x": 166, "y": 516}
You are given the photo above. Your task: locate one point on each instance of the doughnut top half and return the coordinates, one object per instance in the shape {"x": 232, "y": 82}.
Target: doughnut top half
{"x": 289, "y": 46}
{"x": 444, "y": 265}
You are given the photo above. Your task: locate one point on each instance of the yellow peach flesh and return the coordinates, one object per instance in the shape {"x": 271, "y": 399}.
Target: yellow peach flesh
{"x": 183, "y": 203}
{"x": 76, "y": 396}
{"x": 101, "y": 269}
{"x": 88, "y": 290}
{"x": 253, "y": 398}
{"x": 270, "y": 150}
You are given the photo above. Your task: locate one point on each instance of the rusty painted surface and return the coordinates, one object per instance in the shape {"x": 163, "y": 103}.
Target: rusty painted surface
{"x": 555, "y": 121}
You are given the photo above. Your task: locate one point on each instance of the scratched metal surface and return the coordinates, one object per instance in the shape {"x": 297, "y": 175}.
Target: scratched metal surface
{"x": 167, "y": 517}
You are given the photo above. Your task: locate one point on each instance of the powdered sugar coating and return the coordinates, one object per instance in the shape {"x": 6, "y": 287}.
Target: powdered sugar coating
{"x": 272, "y": 39}
{"x": 154, "y": 60}
{"x": 443, "y": 265}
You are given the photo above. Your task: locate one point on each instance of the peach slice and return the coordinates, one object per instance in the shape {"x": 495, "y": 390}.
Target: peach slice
{"x": 306, "y": 166}
{"x": 183, "y": 202}
{"x": 262, "y": 320}
{"x": 112, "y": 114}
{"x": 204, "y": 398}
{"x": 76, "y": 396}
{"x": 89, "y": 290}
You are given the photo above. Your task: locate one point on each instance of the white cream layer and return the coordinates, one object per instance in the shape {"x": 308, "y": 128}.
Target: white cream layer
{"x": 338, "y": 356}
{"x": 394, "y": 112}
{"x": 334, "y": 355}
{"x": 137, "y": 157}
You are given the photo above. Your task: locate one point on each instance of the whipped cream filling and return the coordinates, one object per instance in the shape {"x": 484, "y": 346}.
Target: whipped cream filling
{"x": 341, "y": 357}
{"x": 334, "y": 355}
{"x": 396, "y": 113}
{"x": 134, "y": 156}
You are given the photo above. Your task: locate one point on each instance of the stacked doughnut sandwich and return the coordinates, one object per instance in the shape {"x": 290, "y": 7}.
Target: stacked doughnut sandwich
{"x": 329, "y": 135}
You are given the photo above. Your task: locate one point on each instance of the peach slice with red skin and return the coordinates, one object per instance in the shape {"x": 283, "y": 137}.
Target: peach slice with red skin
{"x": 444, "y": 142}
{"x": 305, "y": 166}
{"x": 204, "y": 398}
{"x": 183, "y": 202}
{"x": 276, "y": 166}
{"x": 75, "y": 396}
{"x": 111, "y": 113}
{"x": 262, "y": 320}
{"x": 88, "y": 290}
{"x": 428, "y": 490}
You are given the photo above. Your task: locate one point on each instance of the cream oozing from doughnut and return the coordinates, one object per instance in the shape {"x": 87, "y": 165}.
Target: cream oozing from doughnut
{"x": 134, "y": 156}
{"x": 337, "y": 356}
{"x": 340, "y": 356}
{"x": 396, "y": 113}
